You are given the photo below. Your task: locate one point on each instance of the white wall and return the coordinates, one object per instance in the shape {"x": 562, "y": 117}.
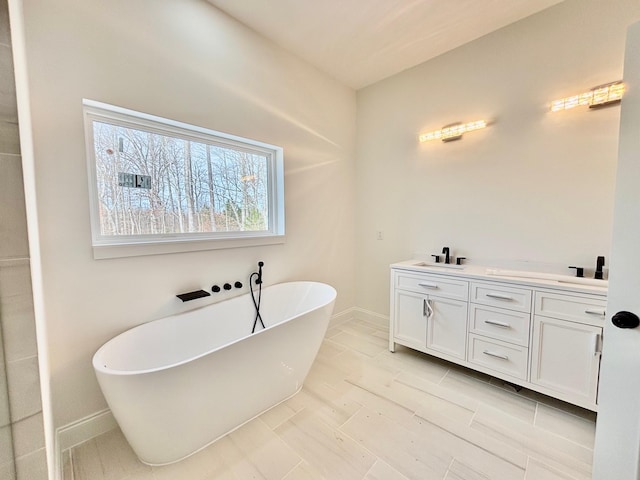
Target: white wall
{"x": 533, "y": 187}
{"x": 188, "y": 62}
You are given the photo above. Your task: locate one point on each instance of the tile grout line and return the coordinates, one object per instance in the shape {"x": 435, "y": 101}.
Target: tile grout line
{"x": 294, "y": 467}
{"x": 453, "y": 459}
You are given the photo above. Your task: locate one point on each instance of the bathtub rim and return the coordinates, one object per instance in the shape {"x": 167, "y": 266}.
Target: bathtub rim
{"x": 99, "y": 367}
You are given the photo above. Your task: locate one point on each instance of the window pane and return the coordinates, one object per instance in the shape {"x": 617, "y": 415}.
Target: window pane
{"x": 149, "y": 183}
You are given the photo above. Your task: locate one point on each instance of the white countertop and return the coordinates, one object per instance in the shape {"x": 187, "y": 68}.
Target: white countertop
{"x": 519, "y": 277}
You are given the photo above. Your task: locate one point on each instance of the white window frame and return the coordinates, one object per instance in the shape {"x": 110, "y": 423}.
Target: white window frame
{"x": 113, "y": 246}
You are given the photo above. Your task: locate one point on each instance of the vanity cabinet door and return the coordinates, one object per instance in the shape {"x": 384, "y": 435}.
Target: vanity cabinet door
{"x": 565, "y": 359}
{"x": 447, "y": 326}
{"x": 410, "y": 325}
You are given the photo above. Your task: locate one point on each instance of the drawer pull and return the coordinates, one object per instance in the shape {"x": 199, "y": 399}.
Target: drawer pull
{"x": 499, "y": 296}
{"x": 428, "y": 285}
{"x": 497, "y": 355}
{"x": 498, "y": 324}
{"x": 591, "y": 311}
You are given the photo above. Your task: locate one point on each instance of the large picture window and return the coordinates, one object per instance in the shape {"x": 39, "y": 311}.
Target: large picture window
{"x": 155, "y": 181}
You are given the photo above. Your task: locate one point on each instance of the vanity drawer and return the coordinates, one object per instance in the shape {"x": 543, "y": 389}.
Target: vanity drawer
{"x": 500, "y": 324}
{"x": 582, "y": 309}
{"x": 502, "y": 296}
{"x": 499, "y": 356}
{"x": 433, "y": 285}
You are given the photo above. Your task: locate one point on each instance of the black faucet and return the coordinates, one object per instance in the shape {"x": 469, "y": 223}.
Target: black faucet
{"x": 599, "y": 265}
{"x": 445, "y": 250}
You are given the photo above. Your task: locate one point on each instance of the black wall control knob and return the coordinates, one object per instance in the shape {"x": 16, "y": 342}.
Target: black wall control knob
{"x": 625, "y": 320}
{"x": 227, "y": 286}
{"x": 215, "y": 289}
{"x": 238, "y": 284}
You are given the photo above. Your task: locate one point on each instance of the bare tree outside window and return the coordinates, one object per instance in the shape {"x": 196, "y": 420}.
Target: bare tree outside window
{"x": 193, "y": 186}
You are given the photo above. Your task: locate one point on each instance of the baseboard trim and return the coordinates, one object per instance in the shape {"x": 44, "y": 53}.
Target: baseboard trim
{"x": 371, "y": 317}
{"x": 79, "y": 432}
{"x": 340, "y": 318}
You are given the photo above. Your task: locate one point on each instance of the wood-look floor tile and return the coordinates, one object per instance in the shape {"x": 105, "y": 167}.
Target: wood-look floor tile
{"x": 223, "y": 460}
{"x": 383, "y": 471}
{"x": 547, "y": 400}
{"x": 475, "y": 437}
{"x": 419, "y": 366}
{"x": 349, "y": 361}
{"x": 334, "y": 406}
{"x": 107, "y": 457}
{"x": 451, "y": 395}
{"x": 477, "y": 458}
{"x": 460, "y": 471}
{"x": 329, "y": 349}
{"x": 366, "y": 345}
{"x": 333, "y": 454}
{"x": 577, "y": 429}
{"x": 548, "y": 448}
{"x": 368, "y": 414}
{"x": 304, "y": 471}
{"x": 414, "y": 455}
{"x": 485, "y": 393}
{"x": 264, "y": 449}
{"x": 278, "y": 414}
{"x": 195, "y": 467}
{"x": 539, "y": 471}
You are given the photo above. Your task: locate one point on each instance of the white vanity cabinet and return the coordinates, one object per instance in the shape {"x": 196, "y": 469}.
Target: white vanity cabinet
{"x": 430, "y": 314}
{"x": 566, "y": 346}
{"x": 545, "y": 336}
{"x": 499, "y": 324}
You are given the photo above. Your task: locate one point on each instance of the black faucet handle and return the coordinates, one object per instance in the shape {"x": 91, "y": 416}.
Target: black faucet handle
{"x": 599, "y": 264}
{"x": 459, "y": 260}
{"x": 579, "y": 271}
{"x": 436, "y": 258}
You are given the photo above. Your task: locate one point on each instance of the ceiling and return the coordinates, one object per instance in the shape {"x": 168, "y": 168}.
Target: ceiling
{"x": 360, "y": 42}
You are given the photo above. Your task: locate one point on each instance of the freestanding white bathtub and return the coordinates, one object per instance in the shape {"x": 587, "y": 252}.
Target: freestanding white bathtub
{"x": 177, "y": 384}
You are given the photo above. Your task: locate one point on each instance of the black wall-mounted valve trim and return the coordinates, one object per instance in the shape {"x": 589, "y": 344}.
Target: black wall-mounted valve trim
{"x": 227, "y": 286}
{"x": 185, "y": 297}
{"x": 215, "y": 289}
{"x": 238, "y": 284}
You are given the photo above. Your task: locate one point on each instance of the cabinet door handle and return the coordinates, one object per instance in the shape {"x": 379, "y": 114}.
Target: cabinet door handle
{"x": 424, "y": 308}
{"x": 591, "y": 311}
{"x": 499, "y": 296}
{"x": 498, "y": 324}
{"x": 428, "y": 285}
{"x": 596, "y": 344}
{"x": 429, "y": 308}
{"x": 497, "y": 355}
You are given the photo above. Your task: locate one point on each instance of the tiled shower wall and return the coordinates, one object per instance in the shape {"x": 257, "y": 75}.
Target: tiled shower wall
{"x": 22, "y": 454}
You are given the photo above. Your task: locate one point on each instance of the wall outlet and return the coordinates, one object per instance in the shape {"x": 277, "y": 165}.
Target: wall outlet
{"x": 379, "y": 235}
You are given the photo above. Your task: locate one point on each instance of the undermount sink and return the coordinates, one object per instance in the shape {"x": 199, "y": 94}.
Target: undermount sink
{"x": 439, "y": 265}
{"x": 548, "y": 276}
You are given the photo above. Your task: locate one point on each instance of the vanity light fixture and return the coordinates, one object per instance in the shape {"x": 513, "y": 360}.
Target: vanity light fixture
{"x": 448, "y": 133}
{"x": 600, "y": 96}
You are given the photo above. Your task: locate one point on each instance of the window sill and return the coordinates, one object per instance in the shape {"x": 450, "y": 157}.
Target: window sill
{"x": 162, "y": 248}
